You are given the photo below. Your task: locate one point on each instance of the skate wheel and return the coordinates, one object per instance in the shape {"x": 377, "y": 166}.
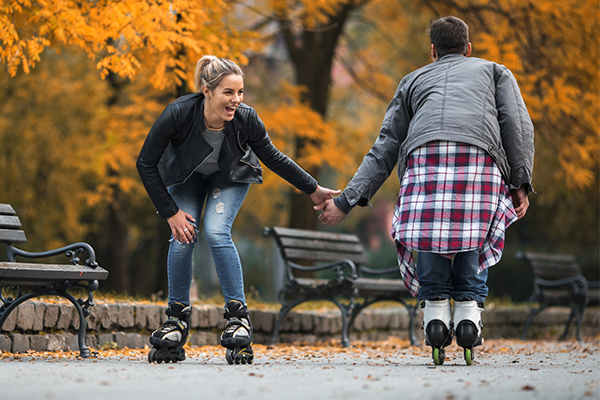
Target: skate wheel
{"x": 438, "y": 356}
{"x": 152, "y": 355}
{"x": 229, "y": 356}
{"x": 469, "y": 356}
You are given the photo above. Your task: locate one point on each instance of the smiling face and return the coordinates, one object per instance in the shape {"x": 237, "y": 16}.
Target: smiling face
{"x": 222, "y": 102}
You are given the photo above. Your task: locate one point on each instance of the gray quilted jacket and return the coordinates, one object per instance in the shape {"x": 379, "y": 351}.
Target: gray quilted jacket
{"x": 456, "y": 98}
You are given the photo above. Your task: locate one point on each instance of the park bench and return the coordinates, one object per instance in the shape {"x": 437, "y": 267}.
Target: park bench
{"x": 350, "y": 285}
{"x": 25, "y": 281}
{"x": 557, "y": 281}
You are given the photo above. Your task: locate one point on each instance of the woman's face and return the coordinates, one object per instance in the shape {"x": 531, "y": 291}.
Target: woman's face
{"x": 221, "y": 103}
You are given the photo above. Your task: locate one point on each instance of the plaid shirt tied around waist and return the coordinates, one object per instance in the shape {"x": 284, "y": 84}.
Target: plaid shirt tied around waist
{"x": 452, "y": 199}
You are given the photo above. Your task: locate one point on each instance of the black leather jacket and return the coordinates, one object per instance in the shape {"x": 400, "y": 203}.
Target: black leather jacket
{"x": 175, "y": 148}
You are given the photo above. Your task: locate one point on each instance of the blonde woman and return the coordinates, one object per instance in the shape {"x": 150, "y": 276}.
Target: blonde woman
{"x": 203, "y": 152}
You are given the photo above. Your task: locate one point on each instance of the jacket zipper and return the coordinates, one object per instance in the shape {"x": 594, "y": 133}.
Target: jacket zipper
{"x": 252, "y": 166}
{"x": 194, "y": 170}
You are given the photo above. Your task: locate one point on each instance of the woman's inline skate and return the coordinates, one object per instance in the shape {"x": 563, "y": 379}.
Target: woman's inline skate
{"x": 168, "y": 341}
{"x": 238, "y": 336}
{"x": 468, "y": 325}
{"x": 437, "y": 326}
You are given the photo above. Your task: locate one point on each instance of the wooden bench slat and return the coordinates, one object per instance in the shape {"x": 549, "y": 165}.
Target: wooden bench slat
{"x": 307, "y": 244}
{"x": 10, "y": 222}
{"x": 367, "y": 285}
{"x": 12, "y": 236}
{"x": 325, "y": 256}
{"x": 551, "y": 258}
{"x": 313, "y": 283}
{"x": 300, "y": 233}
{"x": 6, "y": 209}
{"x": 51, "y": 272}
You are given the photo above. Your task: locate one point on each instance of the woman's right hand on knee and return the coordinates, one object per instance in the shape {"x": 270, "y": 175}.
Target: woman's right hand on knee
{"x": 181, "y": 227}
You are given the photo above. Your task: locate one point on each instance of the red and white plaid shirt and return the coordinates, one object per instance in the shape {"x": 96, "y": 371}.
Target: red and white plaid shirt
{"x": 452, "y": 199}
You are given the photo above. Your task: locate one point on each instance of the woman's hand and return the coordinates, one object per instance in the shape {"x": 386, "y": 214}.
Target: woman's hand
{"x": 321, "y": 194}
{"x": 181, "y": 227}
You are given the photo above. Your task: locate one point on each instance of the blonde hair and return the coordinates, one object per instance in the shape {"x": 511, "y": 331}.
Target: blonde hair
{"x": 211, "y": 70}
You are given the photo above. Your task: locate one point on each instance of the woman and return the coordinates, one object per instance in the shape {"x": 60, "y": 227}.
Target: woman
{"x": 203, "y": 150}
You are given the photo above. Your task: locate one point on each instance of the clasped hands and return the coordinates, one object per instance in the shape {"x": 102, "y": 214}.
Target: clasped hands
{"x": 323, "y": 199}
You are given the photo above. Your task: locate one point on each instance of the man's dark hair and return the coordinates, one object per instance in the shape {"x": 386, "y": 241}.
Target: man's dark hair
{"x": 449, "y": 35}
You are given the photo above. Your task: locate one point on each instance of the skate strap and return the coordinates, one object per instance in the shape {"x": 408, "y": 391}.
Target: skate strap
{"x": 238, "y": 322}
{"x": 174, "y": 321}
{"x": 184, "y": 315}
{"x": 240, "y": 313}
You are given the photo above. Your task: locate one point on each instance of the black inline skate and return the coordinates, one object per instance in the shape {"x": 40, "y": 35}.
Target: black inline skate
{"x": 467, "y": 317}
{"x": 168, "y": 341}
{"x": 437, "y": 326}
{"x": 238, "y": 336}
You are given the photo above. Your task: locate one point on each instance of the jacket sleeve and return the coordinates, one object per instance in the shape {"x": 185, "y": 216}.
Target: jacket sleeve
{"x": 379, "y": 162}
{"x": 147, "y": 163}
{"x": 516, "y": 129}
{"x": 275, "y": 160}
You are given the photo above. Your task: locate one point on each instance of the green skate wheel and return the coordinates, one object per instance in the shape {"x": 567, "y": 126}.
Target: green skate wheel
{"x": 469, "y": 356}
{"x": 438, "y": 356}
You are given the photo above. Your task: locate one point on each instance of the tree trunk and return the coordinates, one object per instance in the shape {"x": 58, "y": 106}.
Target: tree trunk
{"x": 312, "y": 55}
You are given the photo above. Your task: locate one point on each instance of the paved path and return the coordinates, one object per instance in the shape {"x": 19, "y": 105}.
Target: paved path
{"x": 376, "y": 370}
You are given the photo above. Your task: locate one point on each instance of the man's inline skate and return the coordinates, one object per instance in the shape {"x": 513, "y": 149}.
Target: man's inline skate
{"x": 238, "y": 336}
{"x": 468, "y": 325}
{"x": 168, "y": 341}
{"x": 437, "y": 326}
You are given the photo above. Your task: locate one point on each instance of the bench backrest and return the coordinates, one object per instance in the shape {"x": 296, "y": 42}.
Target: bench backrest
{"x": 306, "y": 247}
{"x": 552, "y": 266}
{"x": 10, "y": 226}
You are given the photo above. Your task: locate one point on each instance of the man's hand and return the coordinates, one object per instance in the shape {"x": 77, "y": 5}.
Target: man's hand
{"x": 321, "y": 194}
{"x": 181, "y": 228}
{"x": 520, "y": 201}
{"x": 331, "y": 215}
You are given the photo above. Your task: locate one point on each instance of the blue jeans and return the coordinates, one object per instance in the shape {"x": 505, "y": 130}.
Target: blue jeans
{"x": 443, "y": 278}
{"x": 223, "y": 200}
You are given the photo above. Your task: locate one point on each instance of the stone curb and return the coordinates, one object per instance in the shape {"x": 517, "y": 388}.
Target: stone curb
{"x": 42, "y": 326}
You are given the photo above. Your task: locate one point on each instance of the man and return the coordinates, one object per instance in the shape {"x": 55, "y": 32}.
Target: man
{"x": 460, "y": 133}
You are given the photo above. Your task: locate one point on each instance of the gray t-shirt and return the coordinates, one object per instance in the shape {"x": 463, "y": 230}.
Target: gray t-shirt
{"x": 210, "y": 164}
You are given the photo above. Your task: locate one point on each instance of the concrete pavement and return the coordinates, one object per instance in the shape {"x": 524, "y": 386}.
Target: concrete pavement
{"x": 503, "y": 369}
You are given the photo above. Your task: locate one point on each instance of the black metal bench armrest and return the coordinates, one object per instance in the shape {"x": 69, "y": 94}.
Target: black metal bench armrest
{"x": 385, "y": 271}
{"x": 338, "y": 267}
{"x": 577, "y": 283}
{"x": 71, "y": 251}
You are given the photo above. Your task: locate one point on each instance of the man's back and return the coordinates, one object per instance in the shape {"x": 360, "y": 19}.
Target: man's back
{"x": 454, "y": 96}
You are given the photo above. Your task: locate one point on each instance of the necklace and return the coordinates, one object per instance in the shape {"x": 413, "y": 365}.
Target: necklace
{"x": 215, "y": 129}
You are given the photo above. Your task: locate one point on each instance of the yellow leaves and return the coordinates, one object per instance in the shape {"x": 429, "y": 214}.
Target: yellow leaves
{"x": 291, "y": 120}
{"x": 118, "y": 34}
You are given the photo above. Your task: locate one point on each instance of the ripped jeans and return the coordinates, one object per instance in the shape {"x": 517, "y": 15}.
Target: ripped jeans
{"x": 223, "y": 200}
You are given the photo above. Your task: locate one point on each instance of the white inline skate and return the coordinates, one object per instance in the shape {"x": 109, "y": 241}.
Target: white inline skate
{"x": 468, "y": 325}
{"x": 437, "y": 326}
